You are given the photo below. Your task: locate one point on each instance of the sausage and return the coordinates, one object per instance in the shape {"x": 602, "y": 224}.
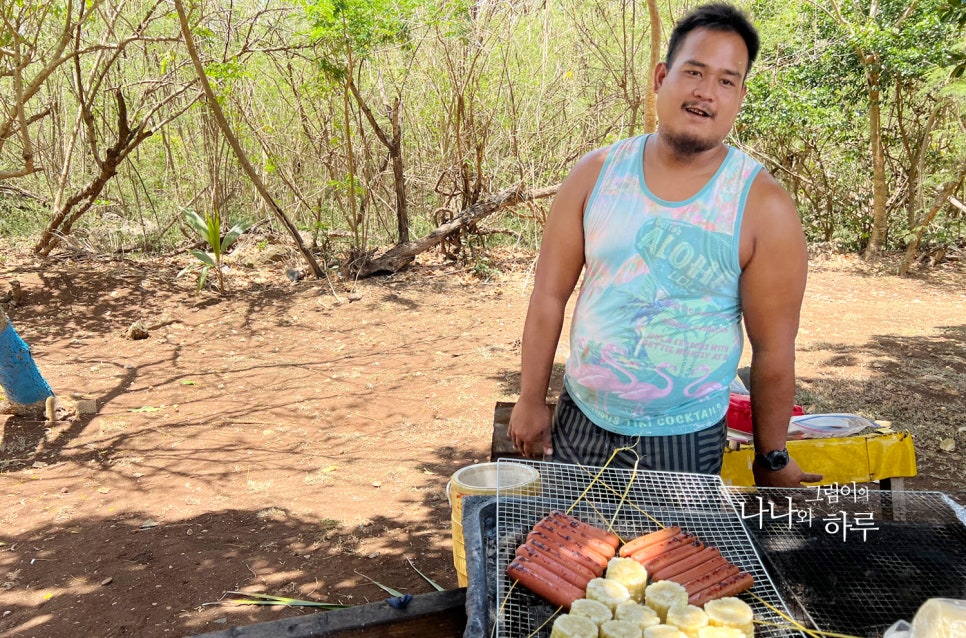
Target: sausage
{"x": 648, "y": 539}
{"x": 526, "y": 555}
{"x": 687, "y": 575}
{"x": 655, "y": 550}
{"x": 578, "y": 540}
{"x": 529, "y": 548}
{"x": 543, "y": 583}
{"x": 565, "y": 519}
{"x": 661, "y": 561}
{"x": 732, "y": 586}
{"x": 685, "y": 563}
{"x": 556, "y": 547}
{"x": 559, "y": 555}
{"x": 713, "y": 577}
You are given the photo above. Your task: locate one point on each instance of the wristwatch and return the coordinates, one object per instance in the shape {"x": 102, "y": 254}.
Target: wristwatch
{"x": 774, "y": 460}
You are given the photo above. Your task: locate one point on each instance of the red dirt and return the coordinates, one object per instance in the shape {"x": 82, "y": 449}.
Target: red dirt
{"x": 279, "y": 441}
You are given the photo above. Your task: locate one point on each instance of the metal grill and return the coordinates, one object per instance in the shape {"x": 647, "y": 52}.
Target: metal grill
{"x": 845, "y": 584}
{"x": 628, "y": 502}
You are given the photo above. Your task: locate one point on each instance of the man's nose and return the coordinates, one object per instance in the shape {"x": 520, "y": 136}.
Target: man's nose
{"x": 705, "y": 88}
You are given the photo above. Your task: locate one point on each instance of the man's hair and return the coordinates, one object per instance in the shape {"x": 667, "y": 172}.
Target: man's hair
{"x": 717, "y": 17}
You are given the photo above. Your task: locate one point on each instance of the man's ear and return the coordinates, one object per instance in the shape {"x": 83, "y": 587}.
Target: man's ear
{"x": 660, "y": 72}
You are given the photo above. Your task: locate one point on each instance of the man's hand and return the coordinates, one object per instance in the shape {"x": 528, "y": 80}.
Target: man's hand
{"x": 530, "y": 428}
{"x": 789, "y": 476}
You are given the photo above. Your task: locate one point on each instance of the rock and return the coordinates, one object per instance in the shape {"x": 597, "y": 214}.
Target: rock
{"x": 137, "y": 331}
{"x": 947, "y": 445}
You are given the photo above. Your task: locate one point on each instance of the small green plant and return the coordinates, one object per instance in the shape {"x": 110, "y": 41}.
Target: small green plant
{"x": 208, "y": 229}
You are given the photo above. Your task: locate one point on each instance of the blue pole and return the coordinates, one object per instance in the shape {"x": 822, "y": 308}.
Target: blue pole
{"x": 20, "y": 379}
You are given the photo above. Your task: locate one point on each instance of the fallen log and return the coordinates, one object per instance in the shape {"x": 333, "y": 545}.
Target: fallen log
{"x": 401, "y": 255}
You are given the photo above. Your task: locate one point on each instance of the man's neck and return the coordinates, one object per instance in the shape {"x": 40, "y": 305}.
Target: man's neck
{"x": 668, "y": 156}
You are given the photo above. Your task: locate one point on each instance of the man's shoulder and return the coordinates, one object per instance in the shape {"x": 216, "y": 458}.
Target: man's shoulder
{"x": 768, "y": 192}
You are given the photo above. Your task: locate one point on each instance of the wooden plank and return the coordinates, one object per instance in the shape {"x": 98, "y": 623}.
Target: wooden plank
{"x": 501, "y": 446}
{"x": 436, "y": 614}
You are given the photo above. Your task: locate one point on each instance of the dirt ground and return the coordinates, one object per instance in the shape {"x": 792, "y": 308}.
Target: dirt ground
{"x": 283, "y": 441}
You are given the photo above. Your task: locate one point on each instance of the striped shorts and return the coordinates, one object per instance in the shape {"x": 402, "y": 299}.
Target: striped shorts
{"x": 576, "y": 439}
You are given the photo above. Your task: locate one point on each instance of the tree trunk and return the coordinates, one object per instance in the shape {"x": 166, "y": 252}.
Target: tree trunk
{"x": 399, "y": 176}
{"x": 937, "y": 204}
{"x": 64, "y": 218}
{"x": 394, "y": 144}
{"x": 880, "y": 194}
{"x": 650, "y": 97}
{"x": 20, "y": 379}
{"x": 236, "y": 147}
{"x": 401, "y": 255}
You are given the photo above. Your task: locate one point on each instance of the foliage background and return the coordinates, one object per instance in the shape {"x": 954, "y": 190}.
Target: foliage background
{"x": 355, "y": 110}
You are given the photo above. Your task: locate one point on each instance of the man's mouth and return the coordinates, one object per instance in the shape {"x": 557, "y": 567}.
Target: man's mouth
{"x": 693, "y": 109}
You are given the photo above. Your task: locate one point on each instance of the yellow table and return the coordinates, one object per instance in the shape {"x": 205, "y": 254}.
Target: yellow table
{"x": 887, "y": 457}
{"x": 884, "y": 457}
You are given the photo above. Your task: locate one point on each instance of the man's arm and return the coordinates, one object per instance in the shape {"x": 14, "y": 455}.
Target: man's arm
{"x": 774, "y": 270}
{"x": 558, "y": 268}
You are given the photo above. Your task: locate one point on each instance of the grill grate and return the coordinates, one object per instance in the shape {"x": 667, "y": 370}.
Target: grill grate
{"x": 697, "y": 503}
{"x": 848, "y": 585}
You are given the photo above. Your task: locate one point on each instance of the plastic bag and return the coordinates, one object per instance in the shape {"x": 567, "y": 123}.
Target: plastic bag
{"x": 815, "y": 426}
{"x": 901, "y": 629}
{"x": 936, "y": 618}
{"x": 940, "y": 618}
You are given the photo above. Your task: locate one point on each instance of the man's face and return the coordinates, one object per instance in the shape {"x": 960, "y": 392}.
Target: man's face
{"x": 698, "y": 97}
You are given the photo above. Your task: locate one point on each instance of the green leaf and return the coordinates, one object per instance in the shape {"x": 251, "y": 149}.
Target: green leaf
{"x": 388, "y": 590}
{"x": 425, "y": 577}
{"x": 197, "y": 223}
{"x": 267, "y": 599}
{"x": 202, "y": 277}
{"x": 203, "y": 257}
{"x": 233, "y": 234}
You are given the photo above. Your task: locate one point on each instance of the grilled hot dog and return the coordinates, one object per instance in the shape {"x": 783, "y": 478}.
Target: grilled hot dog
{"x": 565, "y": 519}
{"x": 570, "y": 572}
{"x": 731, "y": 586}
{"x": 567, "y": 551}
{"x": 648, "y": 539}
{"x": 544, "y": 583}
{"x": 672, "y": 556}
{"x": 577, "y": 537}
{"x": 711, "y": 578}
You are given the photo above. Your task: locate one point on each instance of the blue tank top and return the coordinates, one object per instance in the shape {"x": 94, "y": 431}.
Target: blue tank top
{"x": 656, "y": 334}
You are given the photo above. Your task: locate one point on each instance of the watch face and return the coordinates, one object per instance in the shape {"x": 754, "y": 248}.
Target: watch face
{"x": 774, "y": 461}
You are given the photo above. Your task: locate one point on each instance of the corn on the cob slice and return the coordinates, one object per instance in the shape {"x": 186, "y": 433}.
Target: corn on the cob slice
{"x": 687, "y": 618}
{"x": 593, "y": 609}
{"x": 640, "y": 615}
{"x": 608, "y": 591}
{"x": 720, "y": 632}
{"x": 567, "y": 626}
{"x": 629, "y": 573}
{"x": 729, "y": 612}
{"x": 662, "y": 595}
{"x": 663, "y": 631}
{"x": 619, "y": 629}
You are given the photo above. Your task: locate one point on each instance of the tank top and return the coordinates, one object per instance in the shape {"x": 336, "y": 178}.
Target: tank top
{"x": 656, "y": 333}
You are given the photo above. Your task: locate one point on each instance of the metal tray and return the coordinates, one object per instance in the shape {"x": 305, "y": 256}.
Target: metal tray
{"x": 858, "y": 561}
{"x": 631, "y": 503}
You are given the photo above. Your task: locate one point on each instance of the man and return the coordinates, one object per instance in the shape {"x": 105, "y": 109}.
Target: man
{"x": 681, "y": 236}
